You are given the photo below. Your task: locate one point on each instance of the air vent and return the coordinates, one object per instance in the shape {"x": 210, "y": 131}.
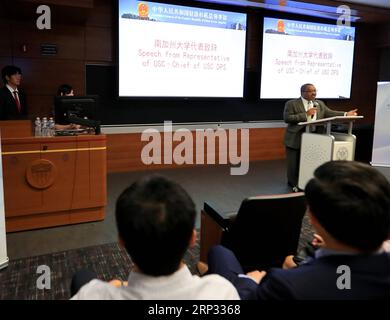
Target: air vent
{"x": 48, "y": 49}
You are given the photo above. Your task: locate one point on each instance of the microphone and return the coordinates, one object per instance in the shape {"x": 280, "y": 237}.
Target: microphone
{"x": 315, "y": 103}
{"x": 310, "y": 106}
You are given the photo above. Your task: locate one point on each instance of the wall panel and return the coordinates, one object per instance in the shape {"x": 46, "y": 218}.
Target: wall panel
{"x": 85, "y": 32}
{"x": 99, "y": 46}
{"x": 102, "y": 14}
{"x": 42, "y": 76}
{"x": 5, "y": 39}
{"x": 76, "y": 44}
{"x": 73, "y": 3}
{"x": 124, "y": 150}
{"x": 69, "y": 41}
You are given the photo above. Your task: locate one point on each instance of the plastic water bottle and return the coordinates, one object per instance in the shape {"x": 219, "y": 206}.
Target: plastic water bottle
{"x": 51, "y": 126}
{"x": 45, "y": 127}
{"x": 37, "y": 127}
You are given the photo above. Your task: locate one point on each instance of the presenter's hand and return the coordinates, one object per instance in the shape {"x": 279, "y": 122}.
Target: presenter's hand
{"x": 352, "y": 112}
{"x": 311, "y": 111}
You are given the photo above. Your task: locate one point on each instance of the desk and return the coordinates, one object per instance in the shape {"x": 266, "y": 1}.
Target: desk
{"x": 52, "y": 181}
{"x": 16, "y": 128}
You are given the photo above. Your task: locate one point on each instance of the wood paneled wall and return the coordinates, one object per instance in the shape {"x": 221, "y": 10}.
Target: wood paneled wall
{"x": 83, "y": 33}
{"x": 365, "y": 75}
{"x": 74, "y": 3}
{"x": 124, "y": 150}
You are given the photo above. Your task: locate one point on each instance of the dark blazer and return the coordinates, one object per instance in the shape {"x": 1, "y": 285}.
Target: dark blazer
{"x": 316, "y": 280}
{"x": 8, "y": 108}
{"x": 294, "y": 112}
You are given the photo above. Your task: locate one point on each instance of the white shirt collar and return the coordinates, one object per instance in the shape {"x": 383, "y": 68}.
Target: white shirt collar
{"x": 182, "y": 275}
{"x": 305, "y": 102}
{"x": 306, "y": 107}
{"x": 11, "y": 89}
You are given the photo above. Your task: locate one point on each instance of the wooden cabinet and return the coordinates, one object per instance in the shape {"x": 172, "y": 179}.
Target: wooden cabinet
{"x": 51, "y": 181}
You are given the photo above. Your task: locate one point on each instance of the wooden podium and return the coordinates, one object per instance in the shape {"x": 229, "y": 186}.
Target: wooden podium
{"x": 52, "y": 181}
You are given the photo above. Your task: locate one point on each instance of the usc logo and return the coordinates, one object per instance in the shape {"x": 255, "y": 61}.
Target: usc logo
{"x": 143, "y": 10}
{"x": 41, "y": 173}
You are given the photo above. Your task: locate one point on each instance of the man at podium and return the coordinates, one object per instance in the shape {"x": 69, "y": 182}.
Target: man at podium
{"x": 305, "y": 108}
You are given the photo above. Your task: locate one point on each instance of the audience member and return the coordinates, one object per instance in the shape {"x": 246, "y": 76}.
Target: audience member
{"x": 13, "y": 103}
{"x": 309, "y": 252}
{"x": 349, "y": 207}
{"x": 155, "y": 220}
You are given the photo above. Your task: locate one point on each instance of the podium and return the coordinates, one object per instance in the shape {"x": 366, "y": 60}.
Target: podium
{"x": 318, "y": 148}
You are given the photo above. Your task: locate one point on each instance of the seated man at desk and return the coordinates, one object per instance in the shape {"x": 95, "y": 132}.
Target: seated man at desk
{"x": 13, "y": 104}
{"x": 66, "y": 90}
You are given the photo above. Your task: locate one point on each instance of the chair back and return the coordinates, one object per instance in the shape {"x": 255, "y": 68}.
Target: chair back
{"x": 266, "y": 230}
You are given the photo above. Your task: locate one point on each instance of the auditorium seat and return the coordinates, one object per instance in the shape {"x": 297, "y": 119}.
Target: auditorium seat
{"x": 262, "y": 233}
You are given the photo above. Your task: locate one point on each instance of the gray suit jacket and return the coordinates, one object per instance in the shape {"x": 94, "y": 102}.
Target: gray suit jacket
{"x": 294, "y": 112}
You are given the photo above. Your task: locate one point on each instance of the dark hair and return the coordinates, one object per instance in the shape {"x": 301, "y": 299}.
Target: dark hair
{"x": 9, "y": 71}
{"x": 155, "y": 219}
{"x": 64, "y": 89}
{"x": 304, "y": 86}
{"x": 351, "y": 201}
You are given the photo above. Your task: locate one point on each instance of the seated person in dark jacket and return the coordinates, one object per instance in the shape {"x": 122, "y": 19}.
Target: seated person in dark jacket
{"x": 13, "y": 104}
{"x": 349, "y": 207}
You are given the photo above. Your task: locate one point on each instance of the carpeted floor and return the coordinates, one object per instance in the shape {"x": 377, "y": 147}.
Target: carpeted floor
{"x": 109, "y": 261}
{"x": 19, "y": 280}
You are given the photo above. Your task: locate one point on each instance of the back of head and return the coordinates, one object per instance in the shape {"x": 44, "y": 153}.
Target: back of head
{"x": 351, "y": 201}
{"x": 155, "y": 219}
{"x": 9, "y": 71}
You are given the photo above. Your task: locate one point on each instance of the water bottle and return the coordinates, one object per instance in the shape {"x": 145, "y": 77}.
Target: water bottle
{"x": 51, "y": 125}
{"x": 45, "y": 127}
{"x": 37, "y": 127}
